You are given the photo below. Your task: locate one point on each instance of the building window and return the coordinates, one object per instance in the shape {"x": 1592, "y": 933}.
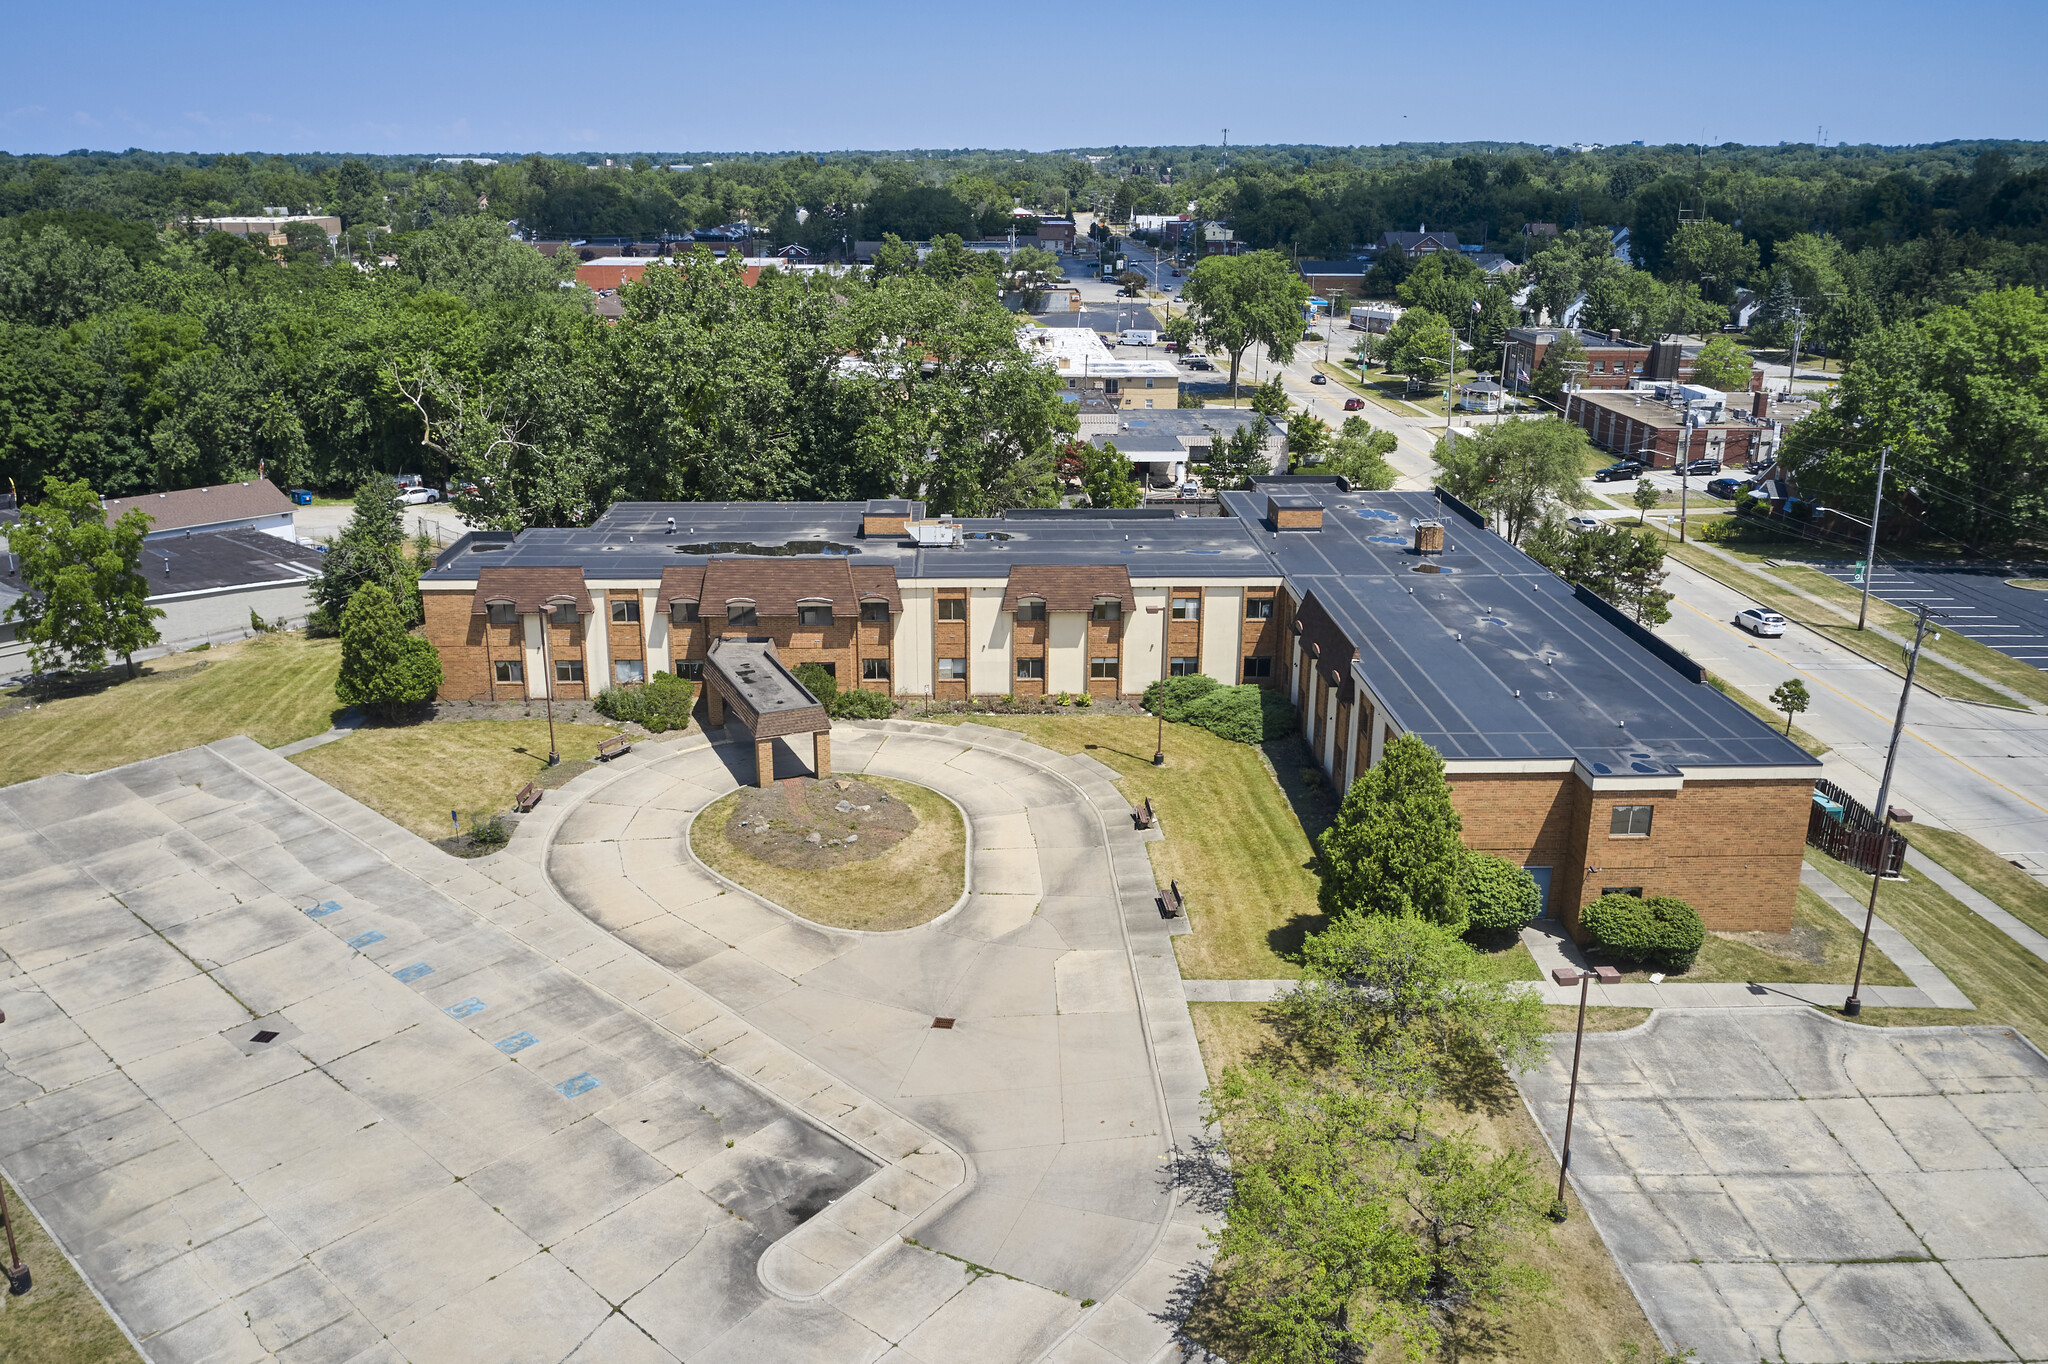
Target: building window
{"x": 1102, "y": 667}
{"x": 952, "y": 670}
{"x": 1257, "y": 667}
{"x": 568, "y": 670}
{"x": 625, "y": 611}
{"x": 690, "y": 668}
{"x": 1107, "y": 610}
{"x": 503, "y": 613}
{"x": 1031, "y": 610}
{"x": 564, "y": 614}
{"x": 1258, "y": 608}
{"x": 814, "y": 615}
{"x": 1148, "y": 402}
{"x": 1636, "y": 891}
{"x": 741, "y": 613}
{"x": 630, "y": 670}
{"x": 510, "y": 671}
{"x": 1183, "y": 667}
{"x": 1187, "y": 608}
{"x": 875, "y": 612}
{"x": 874, "y": 670}
{"x": 1031, "y": 670}
{"x": 682, "y": 613}
{"x": 831, "y": 668}
{"x": 1630, "y": 821}
{"x": 1599, "y": 366}
{"x": 952, "y": 608}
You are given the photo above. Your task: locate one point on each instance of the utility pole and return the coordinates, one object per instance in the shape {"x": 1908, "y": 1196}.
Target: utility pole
{"x": 1854, "y": 1004}
{"x": 1870, "y": 550}
{"x": 1798, "y": 327}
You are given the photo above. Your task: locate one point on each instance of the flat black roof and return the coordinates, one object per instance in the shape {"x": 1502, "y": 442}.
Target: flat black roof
{"x": 1447, "y": 651}
{"x": 212, "y": 560}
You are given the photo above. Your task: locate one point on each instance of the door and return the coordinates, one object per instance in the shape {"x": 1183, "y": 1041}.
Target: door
{"x": 1542, "y": 875}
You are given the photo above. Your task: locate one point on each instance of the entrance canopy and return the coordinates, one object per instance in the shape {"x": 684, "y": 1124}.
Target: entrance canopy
{"x": 745, "y": 679}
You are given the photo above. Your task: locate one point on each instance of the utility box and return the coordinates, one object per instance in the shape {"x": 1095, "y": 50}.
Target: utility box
{"x": 933, "y": 533}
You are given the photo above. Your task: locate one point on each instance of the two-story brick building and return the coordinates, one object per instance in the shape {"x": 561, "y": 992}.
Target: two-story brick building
{"x": 1577, "y": 744}
{"x": 1611, "y": 361}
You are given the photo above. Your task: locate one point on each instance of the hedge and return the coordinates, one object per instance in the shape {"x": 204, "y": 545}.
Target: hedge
{"x": 663, "y": 703}
{"x": 1660, "y": 931}
{"x": 1170, "y": 697}
{"x": 1244, "y": 715}
{"x": 1500, "y": 897}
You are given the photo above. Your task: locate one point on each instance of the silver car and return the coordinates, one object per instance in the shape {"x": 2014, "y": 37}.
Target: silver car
{"x": 1758, "y": 621}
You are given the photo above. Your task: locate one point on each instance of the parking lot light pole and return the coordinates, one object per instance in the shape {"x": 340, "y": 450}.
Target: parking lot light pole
{"x": 1565, "y": 975}
{"x": 1159, "y": 743}
{"x": 1853, "y": 1005}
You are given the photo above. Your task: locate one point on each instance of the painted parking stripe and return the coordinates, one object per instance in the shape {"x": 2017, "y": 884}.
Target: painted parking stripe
{"x": 469, "y": 1006}
{"x": 362, "y": 940}
{"x": 516, "y": 1043}
{"x": 577, "y": 1084}
{"x": 322, "y": 910}
{"x": 408, "y": 974}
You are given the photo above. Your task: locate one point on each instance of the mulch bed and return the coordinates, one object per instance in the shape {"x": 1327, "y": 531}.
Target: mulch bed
{"x": 811, "y": 825}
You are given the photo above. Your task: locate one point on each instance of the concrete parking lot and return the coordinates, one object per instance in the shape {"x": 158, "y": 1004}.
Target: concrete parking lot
{"x": 1783, "y": 1185}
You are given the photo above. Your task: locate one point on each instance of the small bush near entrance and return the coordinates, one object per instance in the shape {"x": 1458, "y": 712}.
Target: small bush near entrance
{"x": 1661, "y": 930}
{"x": 661, "y": 704}
{"x": 821, "y": 683}
{"x": 1170, "y": 697}
{"x": 1247, "y": 714}
{"x": 862, "y": 705}
{"x": 1500, "y": 897}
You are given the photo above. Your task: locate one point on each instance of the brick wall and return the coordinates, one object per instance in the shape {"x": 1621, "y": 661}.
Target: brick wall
{"x": 1263, "y": 638}
{"x": 461, "y": 638}
{"x": 1106, "y": 640}
{"x": 1184, "y": 637}
{"x": 949, "y": 640}
{"x": 1028, "y": 640}
{"x": 872, "y": 639}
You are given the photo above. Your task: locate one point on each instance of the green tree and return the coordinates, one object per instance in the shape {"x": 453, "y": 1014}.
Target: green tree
{"x": 1234, "y": 460}
{"x": 49, "y": 279}
{"x": 1270, "y": 400}
{"x": 893, "y": 257}
{"x": 1714, "y": 256}
{"x": 1419, "y": 345}
{"x": 1107, "y": 477}
{"x": 1645, "y": 498}
{"x": 383, "y": 668}
{"x": 476, "y": 258}
{"x": 1791, "y": 697}
{"x": 369, "y": 549}
{"x": 1516, "y": 470}
{"x": 1360, "y": 455}
{"x": 1245, "y": 301}
{"x": 1564, "y": 362}
{"x": 1722, "y": 364}
{"x": 1500, "y": 896}
{"x": 1393, "y": 848}
{"x": 1307, "y": 438}
{"x": 1180, "y": 330}
{"x": 1613, "y": 562}
{"x": 85, "y": 594}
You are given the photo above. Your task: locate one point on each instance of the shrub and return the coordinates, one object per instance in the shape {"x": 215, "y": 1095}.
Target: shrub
{"x": 819, "y": 682}
{"x": 1661, "y": 931}
{"x": 1082, "y": 698}
{"x": 1500, "y": 897}
{"x": 487, "y": 830}
{"x": 320, "y": 624}
{"x": 661, "y": 704}
{"x": 1171, "y": 696}
{"x": 859, "y": 704}
{"x": 1245, "y": 714}
{"x": 383, "y": 668}
{"x": 1394, "y": 847}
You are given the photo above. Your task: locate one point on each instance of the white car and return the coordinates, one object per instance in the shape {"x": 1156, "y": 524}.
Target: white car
{"x": 1581, "y": 523}
{"x": 1758, "y": 621}
{"x": 414, "y": 496}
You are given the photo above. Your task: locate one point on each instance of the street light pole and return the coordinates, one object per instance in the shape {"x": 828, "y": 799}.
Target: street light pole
{"x": 1870, "y": 550}
{"x": 1853, "y": 1006}
{"x": 1571, "y": 1103}
{"x": 1159, "y": 743}
{"x": 547, "y": 680}
{"x": 19, "y": 1280}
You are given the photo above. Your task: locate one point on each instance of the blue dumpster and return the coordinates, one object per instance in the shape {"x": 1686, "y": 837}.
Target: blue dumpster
{"x": 302, "y": 496}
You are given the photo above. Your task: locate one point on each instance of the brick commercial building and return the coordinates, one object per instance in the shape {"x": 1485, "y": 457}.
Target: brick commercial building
{"x": 1611, "y": 362}
{"x": 1577, "y": 744}
{"x": 1665, "y": 425}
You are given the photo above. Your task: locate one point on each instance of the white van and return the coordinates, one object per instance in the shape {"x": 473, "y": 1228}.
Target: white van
{"x": 1138, "y": 336}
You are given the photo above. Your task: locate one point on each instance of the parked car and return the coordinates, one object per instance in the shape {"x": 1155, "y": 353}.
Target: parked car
{"x": 1615, "y": 473}
{"x": 1729, "y": 487}
{"x": 1757, "y": 468}
{"x": 1191, "y": 488}
{"x": 1319, "y": 378}
{"x": 1353, "y": 404}
{"x": 1759, "y": 621}
{"x": 1581, "y": 523}
{"x": 1704, "y": 465}
{"x": 412, "y": 497}
{"x": 1201, "y": 362}
{"x": 408, "y": 480}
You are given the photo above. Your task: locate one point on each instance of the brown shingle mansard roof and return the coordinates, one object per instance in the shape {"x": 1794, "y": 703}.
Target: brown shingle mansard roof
{"x": 682, "y": 584}
{"x": 873, "y": 581}
{"x": 776, "y": 586}
{"x": 1069, "y": 588}
{"x": 203, "y": 506}
{"x": 530, "y": 589}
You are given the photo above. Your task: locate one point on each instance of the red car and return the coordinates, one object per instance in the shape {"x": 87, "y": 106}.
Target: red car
{"x": 1353, "y": 404}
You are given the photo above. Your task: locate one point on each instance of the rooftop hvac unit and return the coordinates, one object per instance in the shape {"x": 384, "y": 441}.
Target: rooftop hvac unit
{"x": 937, "y": 533}
{"x": 1429, "y": 537}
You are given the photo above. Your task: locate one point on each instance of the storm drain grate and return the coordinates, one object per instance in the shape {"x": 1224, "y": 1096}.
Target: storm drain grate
{"x": 265, "y": 1036}
{"x": 942, "y": 1022}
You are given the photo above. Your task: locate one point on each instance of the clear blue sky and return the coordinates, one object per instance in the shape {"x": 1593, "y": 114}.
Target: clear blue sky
{"x": 465, "y": 76}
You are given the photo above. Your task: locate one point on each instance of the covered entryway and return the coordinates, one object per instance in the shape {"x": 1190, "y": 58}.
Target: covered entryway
{"x": 745, "y": 678}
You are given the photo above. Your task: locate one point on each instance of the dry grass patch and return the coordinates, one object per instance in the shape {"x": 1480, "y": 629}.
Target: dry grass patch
{"x": 914, "y": 882}
{"x": 58, "y": 1321}
{"x": 415, "y": 774}
{"x": 273, "y": 688}
{"x": 1590, "y": 1313}
{"x": 1565, "y": 1018}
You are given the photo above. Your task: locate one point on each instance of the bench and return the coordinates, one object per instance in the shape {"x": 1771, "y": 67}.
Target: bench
{"x": 1144, "y": 817}
{"x": 1170, "y": 900}
{"x": 528, "y": 797}
{"x": 614, "y": 746}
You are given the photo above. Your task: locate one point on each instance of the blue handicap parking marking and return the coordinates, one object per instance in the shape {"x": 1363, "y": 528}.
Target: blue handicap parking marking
{"x": 362, "y": 940}
{"x": 409, "y": 974}
{"x": 469, "y": 1006}
{"x": 577, "y": 1084}
{"x": 516, "y": 1043}
{"x": 322, "y": 910}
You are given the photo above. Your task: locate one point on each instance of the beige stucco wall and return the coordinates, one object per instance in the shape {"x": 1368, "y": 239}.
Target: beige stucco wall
{"x": 988, "y": 642}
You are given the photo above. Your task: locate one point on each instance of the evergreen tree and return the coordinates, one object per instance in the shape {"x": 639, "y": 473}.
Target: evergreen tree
{"x": 383, "y": 668}
{"x": 370, "y": 549}
{"x": 1394, "y": 847}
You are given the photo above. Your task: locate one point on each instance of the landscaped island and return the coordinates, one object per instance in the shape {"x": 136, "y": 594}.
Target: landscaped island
{"x": 862, "y": 853}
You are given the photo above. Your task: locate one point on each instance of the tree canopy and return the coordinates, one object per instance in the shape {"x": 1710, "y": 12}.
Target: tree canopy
{"x": 86, "y": 596}
{"x": 1243, "y": 301}
{"x": 1516, "y": 470}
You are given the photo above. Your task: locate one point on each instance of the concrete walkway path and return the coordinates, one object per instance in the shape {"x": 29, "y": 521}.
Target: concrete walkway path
{"x": 1979, "y": 903}
{"x": 349, "y": 724}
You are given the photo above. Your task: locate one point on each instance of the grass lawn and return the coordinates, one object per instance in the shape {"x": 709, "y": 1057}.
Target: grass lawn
{"x": 273, "y": 688}
{"x": 1986, "y": 872}
{"x": 1820, "y": 950}
{"x": 1565, "y": 1018}
{"x": 415, "y": 774}
{"x": 913, "y": 883}
{"x": 58, "y": 1321}
{"x": 1590, "y": 1313}
{"x": 1759, "y": 585}
{"x": 1373, "y": 393}
{"x": 1775, "y": 719}
{"x": 2007, "y": 983}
